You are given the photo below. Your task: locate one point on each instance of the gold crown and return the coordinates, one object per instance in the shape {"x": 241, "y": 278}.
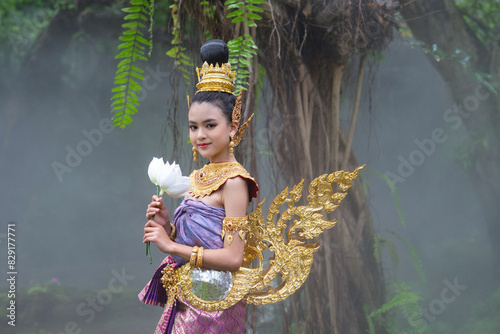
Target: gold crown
{"x": 215, "y": 78}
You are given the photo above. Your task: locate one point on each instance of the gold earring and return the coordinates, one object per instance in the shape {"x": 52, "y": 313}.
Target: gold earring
{"x": 231, "y": 145}
{"x": 195, "y": 154}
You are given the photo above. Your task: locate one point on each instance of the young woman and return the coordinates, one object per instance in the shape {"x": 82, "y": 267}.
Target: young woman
{"x": 208, "y": 227}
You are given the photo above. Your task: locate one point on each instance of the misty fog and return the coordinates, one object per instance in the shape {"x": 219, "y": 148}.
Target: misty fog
{"x": 76, "y": 189}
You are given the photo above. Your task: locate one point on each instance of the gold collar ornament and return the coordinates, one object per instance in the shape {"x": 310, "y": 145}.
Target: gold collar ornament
{"x": 211, "y": 177}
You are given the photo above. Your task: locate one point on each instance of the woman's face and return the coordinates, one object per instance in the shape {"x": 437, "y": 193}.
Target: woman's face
{"x": 210, "y": 131}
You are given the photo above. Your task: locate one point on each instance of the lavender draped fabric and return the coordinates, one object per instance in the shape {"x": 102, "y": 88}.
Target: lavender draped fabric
{"x": 197, "y": 224}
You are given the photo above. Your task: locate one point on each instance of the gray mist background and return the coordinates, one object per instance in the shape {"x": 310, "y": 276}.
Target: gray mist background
{"x": 84, "y": 228}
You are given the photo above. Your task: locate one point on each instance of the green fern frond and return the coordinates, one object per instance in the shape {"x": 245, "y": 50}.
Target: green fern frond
{"x": 245, "y": 11}
{"x": 394, "y": 193}
{"x": 182, "y": 61}
{"x": 377, "y": 247}
{"x": 369, "y": 319}
{"x": 403, "y": 301}
{"x": 403, "y": 296}
{"x": 417, "y": 262}
{"x": 243, "y": 47}
{"x": 132, "y": 49}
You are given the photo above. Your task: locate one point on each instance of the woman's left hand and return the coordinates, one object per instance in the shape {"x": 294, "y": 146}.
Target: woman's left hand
{"x": 156, "y": 234}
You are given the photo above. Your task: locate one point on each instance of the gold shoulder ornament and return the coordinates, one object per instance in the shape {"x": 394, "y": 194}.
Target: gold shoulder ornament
{"x": 211, "y": 177}
{"x": 292, "y": 257}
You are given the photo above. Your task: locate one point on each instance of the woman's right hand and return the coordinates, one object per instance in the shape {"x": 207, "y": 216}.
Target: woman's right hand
{"x": 157, "y": 209}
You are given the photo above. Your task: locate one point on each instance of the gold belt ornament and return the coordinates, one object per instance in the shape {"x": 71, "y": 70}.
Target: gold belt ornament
{"x": 170, "y": 280}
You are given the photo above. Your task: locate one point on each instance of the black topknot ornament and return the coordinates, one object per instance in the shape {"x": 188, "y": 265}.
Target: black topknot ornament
{"x": 215, "y": 51}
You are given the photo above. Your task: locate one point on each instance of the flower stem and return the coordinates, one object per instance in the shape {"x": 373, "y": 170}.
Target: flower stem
{"x": 148, "y": 244}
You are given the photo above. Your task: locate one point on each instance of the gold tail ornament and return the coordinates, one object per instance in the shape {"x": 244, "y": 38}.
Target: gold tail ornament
{"x": 292, "y": 257}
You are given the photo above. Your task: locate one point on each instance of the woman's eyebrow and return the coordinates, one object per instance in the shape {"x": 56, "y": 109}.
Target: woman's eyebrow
{"x": 205, "y": 121}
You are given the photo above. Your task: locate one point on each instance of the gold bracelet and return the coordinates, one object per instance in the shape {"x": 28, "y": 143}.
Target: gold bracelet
{"x": 172, "y": 232}
{"x": 199, "y": 259}
{"x": 234, "y": 224}
{"x": 194, "y": 255}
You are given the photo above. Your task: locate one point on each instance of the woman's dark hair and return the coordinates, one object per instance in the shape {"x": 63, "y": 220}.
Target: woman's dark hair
{"x": 224, "y": 101}
{"x": 216, "y": 51}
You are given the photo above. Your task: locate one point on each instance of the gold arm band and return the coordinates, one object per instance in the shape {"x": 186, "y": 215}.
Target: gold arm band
{"x": 172, "y": 232}
{"x": 199, "y": 259}
{"x": 194, "y": 256}
{"x": 234, "y": 224}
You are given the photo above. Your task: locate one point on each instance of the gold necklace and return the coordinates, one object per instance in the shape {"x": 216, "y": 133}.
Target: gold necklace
{"x": 211, "y": 177}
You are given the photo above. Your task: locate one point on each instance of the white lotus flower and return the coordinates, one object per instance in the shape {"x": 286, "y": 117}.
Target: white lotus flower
{"x": 154, "y": 170}
{"x": 172, "y": 182}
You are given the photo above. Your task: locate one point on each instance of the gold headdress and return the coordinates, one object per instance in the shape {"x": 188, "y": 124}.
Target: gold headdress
{"x": 236, "y": 118}
{"x": 221, "y": 79}
{"x": 215, "y": 78}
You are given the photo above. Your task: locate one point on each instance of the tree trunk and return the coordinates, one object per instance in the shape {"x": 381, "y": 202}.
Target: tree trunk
{"x": 440, "y": 22}
{"x": 305, "y": 65}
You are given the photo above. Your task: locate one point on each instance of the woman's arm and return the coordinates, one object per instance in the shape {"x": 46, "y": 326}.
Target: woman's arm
{"x": 235, "y": 200}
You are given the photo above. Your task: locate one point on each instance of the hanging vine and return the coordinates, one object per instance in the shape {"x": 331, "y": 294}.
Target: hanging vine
{"x": 182, "y": 61}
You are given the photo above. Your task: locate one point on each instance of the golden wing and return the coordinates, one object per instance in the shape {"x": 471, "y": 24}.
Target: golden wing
{"x": 292, "y": 258}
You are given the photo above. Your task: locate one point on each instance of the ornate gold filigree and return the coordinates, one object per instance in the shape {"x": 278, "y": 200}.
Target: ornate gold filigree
{"x": 234, "y": 224}
{"x": 292, "y": 257}
{"x": 212, "y": 176}
{"x": 215, "y": 78}
{"x": 169, "y": 279}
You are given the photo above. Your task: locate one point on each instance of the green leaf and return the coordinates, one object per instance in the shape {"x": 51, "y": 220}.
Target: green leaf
{"x": 134, "y": 24}
{"x": 124, "y": 54}
{"x": 118, "y": 95}
{"x": 119, "y": 88}
{"x": 253, "y": 16}
{"x": 126, "y": 38}
{"x": 134, "y": 9}
{"x": 238, "y": 19}
{"x": 131, "y": 107}
{"x": 236, "y": 5}
{"x": 250, "y": 24}
{"x": 124, "y": 62}
{"x": 254, "y": 9}
{"x": 131, "y": 17}
{"x": 172, "y": 52}
{"x": 136, "y": 75}
{"x": 137, "y": 69}
{"x": 134, "y": 85}
{"x": 121, "y": 75}
{"x": 119, "y": 101}
{"x": 236, "y": 13}
{"x": 120, "y": 81}
{"x": 126, "y": 45}
{"x": 143, "y": 40}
